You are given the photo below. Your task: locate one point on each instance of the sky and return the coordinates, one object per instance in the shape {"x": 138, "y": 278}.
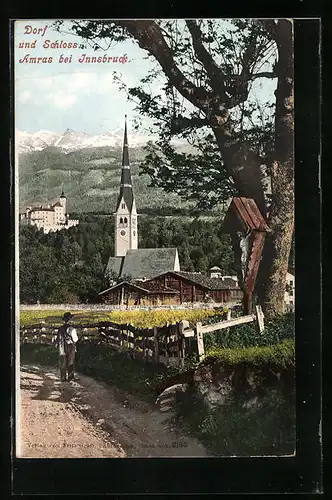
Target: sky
{"x": 80, "y": 96}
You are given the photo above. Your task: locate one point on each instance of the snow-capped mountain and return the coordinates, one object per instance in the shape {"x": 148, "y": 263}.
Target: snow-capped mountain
{"x": 26, "y": 141}
{"x": 71, "y": 140}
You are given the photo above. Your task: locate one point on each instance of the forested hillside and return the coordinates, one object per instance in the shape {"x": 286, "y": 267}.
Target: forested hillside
{"x": 68, "y": 266}
{"x": 90, "y": 178}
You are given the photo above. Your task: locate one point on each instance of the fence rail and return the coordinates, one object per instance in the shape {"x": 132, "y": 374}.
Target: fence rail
{"x": 166, "y": 344}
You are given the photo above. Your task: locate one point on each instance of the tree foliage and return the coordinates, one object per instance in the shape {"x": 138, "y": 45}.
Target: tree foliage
{"x": 69, "y": 266}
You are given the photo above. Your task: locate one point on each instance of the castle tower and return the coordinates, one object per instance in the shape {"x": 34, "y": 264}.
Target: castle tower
{"x": 63, "y": 201}
{"x": 126, "y": 236}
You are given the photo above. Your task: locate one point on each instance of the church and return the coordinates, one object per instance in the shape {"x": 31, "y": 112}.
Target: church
{"x": 129, "y": 260}
{"x": 152, "y": 276}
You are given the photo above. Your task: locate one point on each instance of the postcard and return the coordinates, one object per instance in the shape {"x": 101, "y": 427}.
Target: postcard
{"x": 154, "y": 164}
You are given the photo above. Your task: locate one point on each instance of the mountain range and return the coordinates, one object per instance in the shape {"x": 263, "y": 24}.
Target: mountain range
{"x": 71, "y": 140}
{"x": 87, "y": 168}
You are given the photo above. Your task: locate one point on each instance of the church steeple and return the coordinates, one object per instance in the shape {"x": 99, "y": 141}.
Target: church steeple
{"x": 125, "y": 152}
{"x": 126, "y": 187}
{"x": 126, "y": 237}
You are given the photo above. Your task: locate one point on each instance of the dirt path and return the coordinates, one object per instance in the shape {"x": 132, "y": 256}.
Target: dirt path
{"x": 91, "y": 419}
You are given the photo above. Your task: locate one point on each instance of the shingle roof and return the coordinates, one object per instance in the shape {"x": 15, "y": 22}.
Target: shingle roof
{"x": 149, "y": 288}
{"x": 129, "y": 284}
{"x": 206, "y": 281}
{"x": 148, "y": 262}
{"x": 153, "y": 287}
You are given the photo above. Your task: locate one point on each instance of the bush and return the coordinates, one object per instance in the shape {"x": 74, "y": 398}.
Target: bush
{"x": 236, "y": 430}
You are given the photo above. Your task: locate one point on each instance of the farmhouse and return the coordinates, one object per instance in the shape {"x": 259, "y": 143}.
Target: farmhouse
{"x": 173, "y": 288}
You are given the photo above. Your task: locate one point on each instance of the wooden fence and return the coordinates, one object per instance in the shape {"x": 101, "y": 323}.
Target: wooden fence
{"x": 169, "y": 344}
{"x": 160, "y": 344}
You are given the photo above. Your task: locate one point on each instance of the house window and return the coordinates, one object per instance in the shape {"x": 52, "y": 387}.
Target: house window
{"x": 291, "y": 283}
{"x": 291, "y": 293}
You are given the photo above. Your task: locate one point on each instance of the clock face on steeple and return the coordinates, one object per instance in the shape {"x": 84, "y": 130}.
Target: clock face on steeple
{"x": 123, "y": 232}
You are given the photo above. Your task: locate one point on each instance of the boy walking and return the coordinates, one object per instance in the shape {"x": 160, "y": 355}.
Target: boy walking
{"x": 66, "y": 341}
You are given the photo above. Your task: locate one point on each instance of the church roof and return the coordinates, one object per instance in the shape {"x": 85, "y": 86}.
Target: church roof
{"x": 126, "y": 188}
{"x": 114, "y": 265}
{"x": 143, "y": 262}
{"x": 148, "y": 262}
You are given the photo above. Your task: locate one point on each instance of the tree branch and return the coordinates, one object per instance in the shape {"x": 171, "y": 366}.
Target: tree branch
{"x": 181, "y": 123}
{"x": 254, "y": 76}
{"x": 149, "y": 37}
{"x": 214, "y": 73}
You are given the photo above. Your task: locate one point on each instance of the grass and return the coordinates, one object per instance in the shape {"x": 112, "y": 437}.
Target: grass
{"x": 140, "y": 318}
{"x": 282, "y": 355}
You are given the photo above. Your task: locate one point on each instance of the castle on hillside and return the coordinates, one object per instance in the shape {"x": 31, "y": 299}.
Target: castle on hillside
{"x": 49, "y": 218}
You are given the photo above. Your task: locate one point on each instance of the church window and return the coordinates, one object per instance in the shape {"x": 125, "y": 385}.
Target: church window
{"x": 123, "y": 205}
{"x": 134, "y": 233}
{"x": 121, "y": 220}
{"x": 125, "y": 220}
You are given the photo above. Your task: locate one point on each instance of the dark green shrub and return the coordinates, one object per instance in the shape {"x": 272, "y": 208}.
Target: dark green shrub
{"x": 237, "y": 430}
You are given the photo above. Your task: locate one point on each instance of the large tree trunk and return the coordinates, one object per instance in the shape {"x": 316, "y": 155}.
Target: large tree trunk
{"x": 242, "y": 164}
{"x": 275, "y": 260}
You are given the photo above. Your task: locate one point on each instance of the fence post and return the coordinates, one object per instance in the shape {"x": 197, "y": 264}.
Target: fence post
{"x": 260, "y": 319}
{"x": 127, "y": 332}
{"x": 200, "y": 341}
{"x": 182, "y": 342}
{"x": 156, "y": 344}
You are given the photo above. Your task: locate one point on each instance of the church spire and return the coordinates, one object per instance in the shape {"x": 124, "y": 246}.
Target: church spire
{"x": 126, "y": 188}
{"x": 125, "y": 152}
{"x": 126, "y": 237}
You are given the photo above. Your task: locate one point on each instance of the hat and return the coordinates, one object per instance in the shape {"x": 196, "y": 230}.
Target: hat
{"x": 67, "y": 316}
